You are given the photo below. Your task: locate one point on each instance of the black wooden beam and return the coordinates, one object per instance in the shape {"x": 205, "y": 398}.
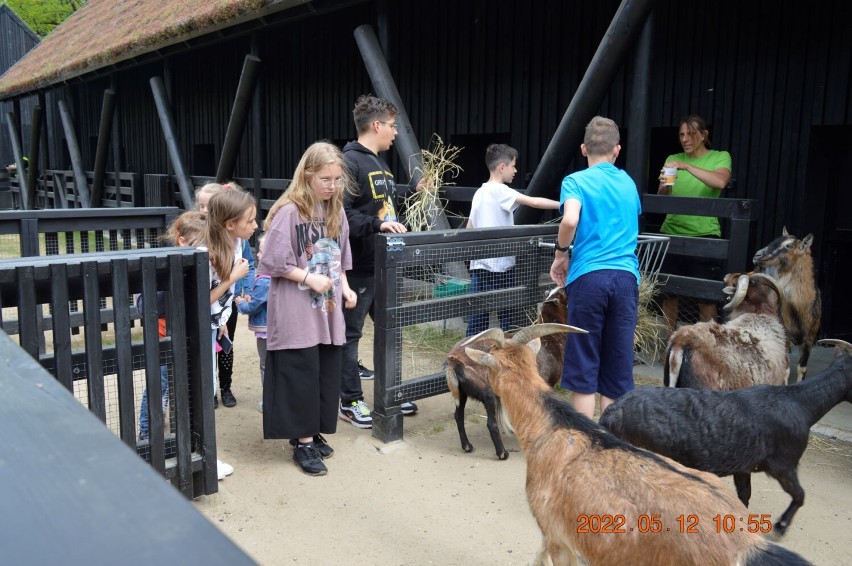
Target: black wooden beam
{"x": 608, "y": 59}
{"x": 237, "y": 123}
{"x": 80, "y": 181}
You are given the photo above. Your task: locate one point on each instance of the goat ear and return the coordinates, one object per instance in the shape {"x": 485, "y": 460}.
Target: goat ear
{"x": 807, "y": 241}
{"x": 480, "y": 357}
{"x": 535, "y": 345}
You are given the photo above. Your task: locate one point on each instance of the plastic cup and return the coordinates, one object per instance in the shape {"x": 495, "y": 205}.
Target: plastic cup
{"x": 669, "y": 176}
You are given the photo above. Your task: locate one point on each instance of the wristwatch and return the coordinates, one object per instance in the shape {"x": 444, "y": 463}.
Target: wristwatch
{"x": 560, "y": 248}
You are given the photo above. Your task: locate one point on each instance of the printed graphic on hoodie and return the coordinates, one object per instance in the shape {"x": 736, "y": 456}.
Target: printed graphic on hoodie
{"x": 323, "y": 259}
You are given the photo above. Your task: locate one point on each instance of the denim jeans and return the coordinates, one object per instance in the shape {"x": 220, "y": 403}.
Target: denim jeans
{"x": 350, "y": 381}
{"x": 143, "y": 411}
{"x": 482, "y": 280}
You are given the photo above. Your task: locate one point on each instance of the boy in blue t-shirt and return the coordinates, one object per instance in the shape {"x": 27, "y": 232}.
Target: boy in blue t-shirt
{"x": 602, "y": 284}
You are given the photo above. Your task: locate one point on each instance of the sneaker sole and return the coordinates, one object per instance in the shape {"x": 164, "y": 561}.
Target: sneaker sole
{"x": 408, "y": 413}
{"x": 346, "y": 419}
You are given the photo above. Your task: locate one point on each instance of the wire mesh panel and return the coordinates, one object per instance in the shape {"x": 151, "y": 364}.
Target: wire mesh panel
{"x": 434, "y": 288}
{"x": 430, "y": 286}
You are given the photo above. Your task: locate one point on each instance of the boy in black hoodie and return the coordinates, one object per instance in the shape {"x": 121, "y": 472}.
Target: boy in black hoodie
{"x": 370, "y": 211}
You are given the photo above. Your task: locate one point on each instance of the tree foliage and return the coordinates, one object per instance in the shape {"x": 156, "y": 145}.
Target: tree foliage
{"x": 44, "y": 15}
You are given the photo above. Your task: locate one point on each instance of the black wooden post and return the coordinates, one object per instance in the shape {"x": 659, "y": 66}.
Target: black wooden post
{"x": 639, "y": 111}
{"x": 19, "y": 161}
{"x": 258, "y": 106}
{"x": 168, "y": 125}
{"x": 32, "y": 168}
{"x": 107, "y": 112}
{"x": 611, "y": 53}
{"x": 82, "y": 184}
{"x": 237, "y": 123}
{"x": 116, "y": 142}
{"x": 44, "y": 133}
{"x": 387, "y": 420}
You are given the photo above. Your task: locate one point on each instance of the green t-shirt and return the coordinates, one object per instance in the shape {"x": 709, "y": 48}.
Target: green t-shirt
{"x": 688, "y": 186}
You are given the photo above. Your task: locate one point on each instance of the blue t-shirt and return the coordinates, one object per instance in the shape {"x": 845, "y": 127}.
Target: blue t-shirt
{"x": 609, "y": 220}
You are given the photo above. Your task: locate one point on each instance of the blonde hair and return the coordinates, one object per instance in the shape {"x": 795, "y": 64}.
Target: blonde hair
{"x": 190, "y": 226}
{"x": 229, "y": 204}
{"x": 208, "y": 189}
{"x": 317, "y": 156}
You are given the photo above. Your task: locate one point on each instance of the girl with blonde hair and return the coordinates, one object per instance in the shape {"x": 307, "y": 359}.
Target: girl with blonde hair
{"x": 306, "y": 255}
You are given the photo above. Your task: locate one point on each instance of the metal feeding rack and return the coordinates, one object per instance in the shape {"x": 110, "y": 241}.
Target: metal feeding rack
{"x": 650, "y": 249}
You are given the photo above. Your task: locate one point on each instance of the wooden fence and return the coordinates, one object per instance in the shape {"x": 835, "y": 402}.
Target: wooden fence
{"x": 107, "y": 370}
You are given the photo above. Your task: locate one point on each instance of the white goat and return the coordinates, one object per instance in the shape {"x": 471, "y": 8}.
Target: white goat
{"x": 605, "y": 501}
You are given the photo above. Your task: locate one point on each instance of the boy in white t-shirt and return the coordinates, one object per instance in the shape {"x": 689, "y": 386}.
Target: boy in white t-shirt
{"x": 493, "y": 205}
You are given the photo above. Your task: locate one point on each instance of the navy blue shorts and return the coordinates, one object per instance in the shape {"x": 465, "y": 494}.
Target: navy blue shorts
{"x": 605, "y": 303}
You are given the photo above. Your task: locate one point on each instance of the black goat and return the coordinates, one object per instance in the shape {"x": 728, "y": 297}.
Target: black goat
{"x": 763, "y": 428}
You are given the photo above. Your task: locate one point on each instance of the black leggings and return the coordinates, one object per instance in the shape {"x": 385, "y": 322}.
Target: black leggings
{"x": 225, "y": 361}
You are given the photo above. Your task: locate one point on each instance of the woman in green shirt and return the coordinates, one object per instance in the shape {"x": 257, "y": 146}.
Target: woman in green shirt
{"x": 701, "y": 172}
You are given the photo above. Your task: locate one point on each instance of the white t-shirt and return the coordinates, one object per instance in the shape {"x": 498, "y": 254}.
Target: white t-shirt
{"x": 220, "y": 311}
{"x": 493, "y": 205}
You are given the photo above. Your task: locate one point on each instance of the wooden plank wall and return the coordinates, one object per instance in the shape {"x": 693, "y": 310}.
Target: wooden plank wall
{"x": 762, "y": 73}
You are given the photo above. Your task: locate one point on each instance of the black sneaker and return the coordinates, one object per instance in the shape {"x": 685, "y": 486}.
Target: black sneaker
{"x": 309, "y": 459}
{"x": 215, "y": 401}
{"x": 228, "y": 398}
{"x": 365, "y": 373}
{"x": 320, "y": 444}
{"x": 407, "y": 408}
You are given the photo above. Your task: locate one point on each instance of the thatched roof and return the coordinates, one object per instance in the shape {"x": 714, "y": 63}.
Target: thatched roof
{"x": 106, "y": 32}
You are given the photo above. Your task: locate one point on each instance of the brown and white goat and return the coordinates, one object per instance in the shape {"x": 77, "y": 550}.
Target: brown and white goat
{"x": 601, "y": 499}
{"x": 788, "y": 260}
{"x": 466, "y": 379}
{"x": 750, "y": 348}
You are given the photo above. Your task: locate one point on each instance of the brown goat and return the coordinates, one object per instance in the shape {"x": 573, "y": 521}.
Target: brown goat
{"x": 603, "y": 500}
{"x": 788, "y": 260}
{"x": 465, "y": 379}
{"x": 549, "y": 359}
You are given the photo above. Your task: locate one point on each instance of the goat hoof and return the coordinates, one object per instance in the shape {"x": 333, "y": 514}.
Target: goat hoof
{"x": 503, "y": 455}
{"x": 777, "y": 533}
{"x": 468, "y": 448}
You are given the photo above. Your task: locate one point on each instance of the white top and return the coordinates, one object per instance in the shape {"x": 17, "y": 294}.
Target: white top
{"x": 492, "y": 206}
{"x": 220, "y": 311}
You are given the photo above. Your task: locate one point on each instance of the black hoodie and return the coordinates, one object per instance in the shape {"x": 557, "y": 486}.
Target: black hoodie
{"x": 375, "y": 203}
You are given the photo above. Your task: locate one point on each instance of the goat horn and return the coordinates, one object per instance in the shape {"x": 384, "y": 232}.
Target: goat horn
{"x": 480, "y": 357}
{"x": 490, "y": 334}
{"x": 768, "y": 280}
{"x": 846, "y": 346}
{"x": 739, "y": 294}
{"x": 530, "y": 333}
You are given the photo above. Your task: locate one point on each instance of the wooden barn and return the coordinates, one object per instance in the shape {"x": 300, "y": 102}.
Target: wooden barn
{"x": 772, "y": 79}
{"x": 16, "y": 40}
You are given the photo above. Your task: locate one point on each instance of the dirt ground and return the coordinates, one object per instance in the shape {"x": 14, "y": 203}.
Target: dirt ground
{"x": 424, "y": 501}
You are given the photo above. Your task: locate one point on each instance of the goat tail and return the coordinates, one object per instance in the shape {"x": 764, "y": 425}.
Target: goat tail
{"x": 503, "y": 422}
{"x": 672, "y": 366}
{"x": 774, "y": 555}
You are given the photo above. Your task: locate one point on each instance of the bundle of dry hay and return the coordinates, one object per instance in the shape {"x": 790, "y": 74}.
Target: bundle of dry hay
{"x": 422, "y": 207}
{"x": 648, "y": 338}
